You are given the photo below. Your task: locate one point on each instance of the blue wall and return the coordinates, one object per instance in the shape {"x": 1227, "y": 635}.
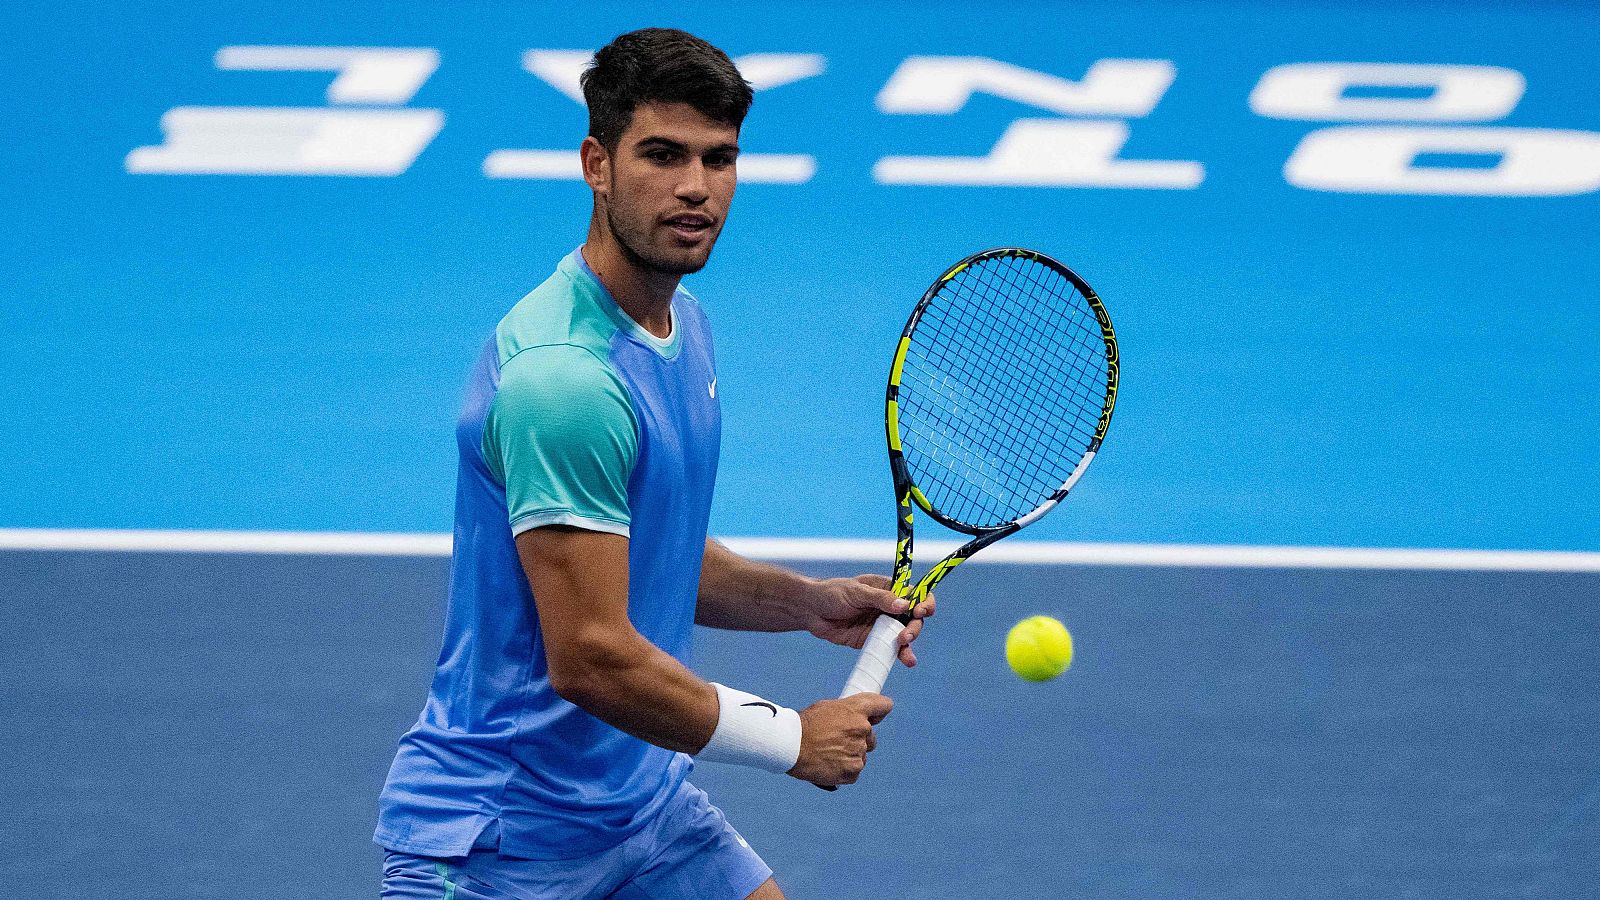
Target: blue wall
{"x": 1299, "y": 365}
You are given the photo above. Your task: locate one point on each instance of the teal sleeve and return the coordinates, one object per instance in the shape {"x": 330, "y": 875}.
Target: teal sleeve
{"x": 561, "y": 435}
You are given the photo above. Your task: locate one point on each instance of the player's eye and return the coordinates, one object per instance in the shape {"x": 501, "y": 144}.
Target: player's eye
{"x": 720, "y": 160}
{"x": 661, "y": 155}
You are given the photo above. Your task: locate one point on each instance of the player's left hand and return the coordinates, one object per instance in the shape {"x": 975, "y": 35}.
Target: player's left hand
{"x": 843, "y": 610}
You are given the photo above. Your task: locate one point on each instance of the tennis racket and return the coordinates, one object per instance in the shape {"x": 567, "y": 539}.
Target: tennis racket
{"x": 1000, "y": 393}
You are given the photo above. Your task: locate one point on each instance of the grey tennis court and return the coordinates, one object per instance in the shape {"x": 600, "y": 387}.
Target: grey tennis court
{"x": 208, "y": 724}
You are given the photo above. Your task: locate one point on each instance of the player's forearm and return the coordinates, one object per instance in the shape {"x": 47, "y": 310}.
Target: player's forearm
{"x": 601, "y": 663}
{"x": 634, "y": 686}
{"x": 745, "y": 595}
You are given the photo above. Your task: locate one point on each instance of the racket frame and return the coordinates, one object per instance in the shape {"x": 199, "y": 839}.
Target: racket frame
{"x": 877, "y": 654}
{"x": 906, "y": 490}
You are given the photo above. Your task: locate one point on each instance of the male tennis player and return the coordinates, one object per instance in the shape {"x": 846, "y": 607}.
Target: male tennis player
{"x": 552, "y": 757}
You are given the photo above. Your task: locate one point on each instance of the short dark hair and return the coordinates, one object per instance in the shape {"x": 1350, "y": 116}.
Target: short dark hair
{"x": 660, "y": 65}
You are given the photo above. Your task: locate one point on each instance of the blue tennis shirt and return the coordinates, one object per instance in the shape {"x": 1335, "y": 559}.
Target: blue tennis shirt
{"x": 574, "y": 415}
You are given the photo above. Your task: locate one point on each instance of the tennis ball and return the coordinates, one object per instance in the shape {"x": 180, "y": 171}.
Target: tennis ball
{"x": 1039, "y": 648}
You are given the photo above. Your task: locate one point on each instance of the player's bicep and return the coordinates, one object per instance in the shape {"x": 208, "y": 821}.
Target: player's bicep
{"x": 579, "y": 580}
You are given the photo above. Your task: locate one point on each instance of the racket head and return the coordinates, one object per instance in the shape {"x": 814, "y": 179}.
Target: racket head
{"x": 1001, "y": 390}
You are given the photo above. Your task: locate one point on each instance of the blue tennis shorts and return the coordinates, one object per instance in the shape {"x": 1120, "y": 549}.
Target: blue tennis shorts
{"x": 688, "y": 850}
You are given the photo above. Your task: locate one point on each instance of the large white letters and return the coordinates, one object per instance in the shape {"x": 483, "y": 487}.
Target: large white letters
{"x": 1036, "y": 152}
{"x": 1415, "y": 159}
{"x": 266, "y": 140}
{"x": 1396, "y": 128}
{"x": 941, "y": 85}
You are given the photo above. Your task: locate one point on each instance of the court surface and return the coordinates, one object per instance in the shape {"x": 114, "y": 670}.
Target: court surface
{"x": 218, "y": 726}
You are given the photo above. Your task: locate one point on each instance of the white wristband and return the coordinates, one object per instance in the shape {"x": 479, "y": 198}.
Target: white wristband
{"x": 753, "y": 732}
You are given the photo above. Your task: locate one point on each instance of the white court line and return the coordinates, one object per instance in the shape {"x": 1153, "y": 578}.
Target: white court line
{"x": 324, "y": 543}
{"x": 1195, "y": 555}
{"x": 304, "y": 543}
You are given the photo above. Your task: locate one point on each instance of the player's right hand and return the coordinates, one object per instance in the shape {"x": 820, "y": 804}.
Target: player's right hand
{"x": 836, "y": 736}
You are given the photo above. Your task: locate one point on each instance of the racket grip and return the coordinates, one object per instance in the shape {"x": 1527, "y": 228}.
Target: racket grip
{"x": 877, "y": 658}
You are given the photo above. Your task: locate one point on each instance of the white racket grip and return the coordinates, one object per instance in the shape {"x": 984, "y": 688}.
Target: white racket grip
{"x": 877, "y": 658}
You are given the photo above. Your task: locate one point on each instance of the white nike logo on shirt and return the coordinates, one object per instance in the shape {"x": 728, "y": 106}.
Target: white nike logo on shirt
{"x": 712, "y": 389}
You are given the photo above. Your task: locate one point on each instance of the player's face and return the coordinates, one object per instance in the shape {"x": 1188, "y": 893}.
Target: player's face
{"x": 671, "y": 180}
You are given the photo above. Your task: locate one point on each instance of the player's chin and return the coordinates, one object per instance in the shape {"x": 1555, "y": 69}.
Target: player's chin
{"x": 690, "y": 266}
{"x": 682, "y": 260}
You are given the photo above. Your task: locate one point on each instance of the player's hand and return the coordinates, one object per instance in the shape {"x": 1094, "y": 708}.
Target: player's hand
{"x": 843, "y": 610}
{"x": 836, "y": 736}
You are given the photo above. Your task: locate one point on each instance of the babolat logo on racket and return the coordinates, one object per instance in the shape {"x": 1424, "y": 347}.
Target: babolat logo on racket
{"x": 1111, "y": 401}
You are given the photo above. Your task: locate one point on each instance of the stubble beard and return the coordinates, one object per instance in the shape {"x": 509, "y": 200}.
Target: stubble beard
{"x": 649, "y": 262}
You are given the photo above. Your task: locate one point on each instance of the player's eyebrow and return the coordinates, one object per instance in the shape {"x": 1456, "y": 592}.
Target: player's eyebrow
{"x": 654, "y": 141}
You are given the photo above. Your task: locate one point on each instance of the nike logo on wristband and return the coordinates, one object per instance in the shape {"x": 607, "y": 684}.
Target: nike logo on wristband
{"x": 763, "y": 703}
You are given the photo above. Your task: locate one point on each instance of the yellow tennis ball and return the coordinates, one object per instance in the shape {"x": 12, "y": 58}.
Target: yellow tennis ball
{"x": 1039, "y": 648}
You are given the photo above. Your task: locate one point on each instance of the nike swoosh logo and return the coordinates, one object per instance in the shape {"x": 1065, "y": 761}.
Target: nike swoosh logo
{"x": 712, "y": 389}
{"x": 762, "y": 703}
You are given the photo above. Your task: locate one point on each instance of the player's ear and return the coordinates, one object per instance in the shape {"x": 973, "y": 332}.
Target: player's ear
{"x": 596, "y": 165}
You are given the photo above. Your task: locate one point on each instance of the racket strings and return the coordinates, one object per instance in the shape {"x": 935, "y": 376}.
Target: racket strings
{"x": 969, "y": 480}
{"x": 1033, "y": 380}
{"x": 1001, "y": 390}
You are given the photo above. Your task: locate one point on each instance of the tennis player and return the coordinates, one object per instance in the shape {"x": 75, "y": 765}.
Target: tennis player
{"x": 553, "y": 755}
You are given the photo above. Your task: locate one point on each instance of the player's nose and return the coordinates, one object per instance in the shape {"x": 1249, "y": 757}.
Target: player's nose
{"x": 692, "y": 187}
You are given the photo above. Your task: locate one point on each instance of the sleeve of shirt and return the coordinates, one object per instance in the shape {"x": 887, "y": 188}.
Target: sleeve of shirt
{"x": 562, "y": 436}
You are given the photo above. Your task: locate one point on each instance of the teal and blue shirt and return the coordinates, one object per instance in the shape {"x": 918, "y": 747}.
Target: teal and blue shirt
{"x": 574, "y": 415}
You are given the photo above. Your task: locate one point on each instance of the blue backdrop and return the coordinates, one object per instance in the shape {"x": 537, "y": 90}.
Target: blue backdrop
{"x": 1300, "y": 365}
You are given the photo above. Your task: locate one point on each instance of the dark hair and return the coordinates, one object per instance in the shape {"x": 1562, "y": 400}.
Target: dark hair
{"x": 660, "y": 65}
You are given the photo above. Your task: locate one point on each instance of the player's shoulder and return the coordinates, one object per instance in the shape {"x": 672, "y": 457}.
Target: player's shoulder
{"x": 561, "y": 371}
{"x": 562, "y": 310}
{"x": 563, "y": 391}
{"x": 561, "y": 399}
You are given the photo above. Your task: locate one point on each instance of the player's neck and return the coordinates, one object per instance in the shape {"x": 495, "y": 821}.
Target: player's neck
{"x": 644, "y": 294}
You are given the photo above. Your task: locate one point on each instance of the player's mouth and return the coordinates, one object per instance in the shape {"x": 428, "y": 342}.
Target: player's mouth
{"x": 690, "y": 227}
